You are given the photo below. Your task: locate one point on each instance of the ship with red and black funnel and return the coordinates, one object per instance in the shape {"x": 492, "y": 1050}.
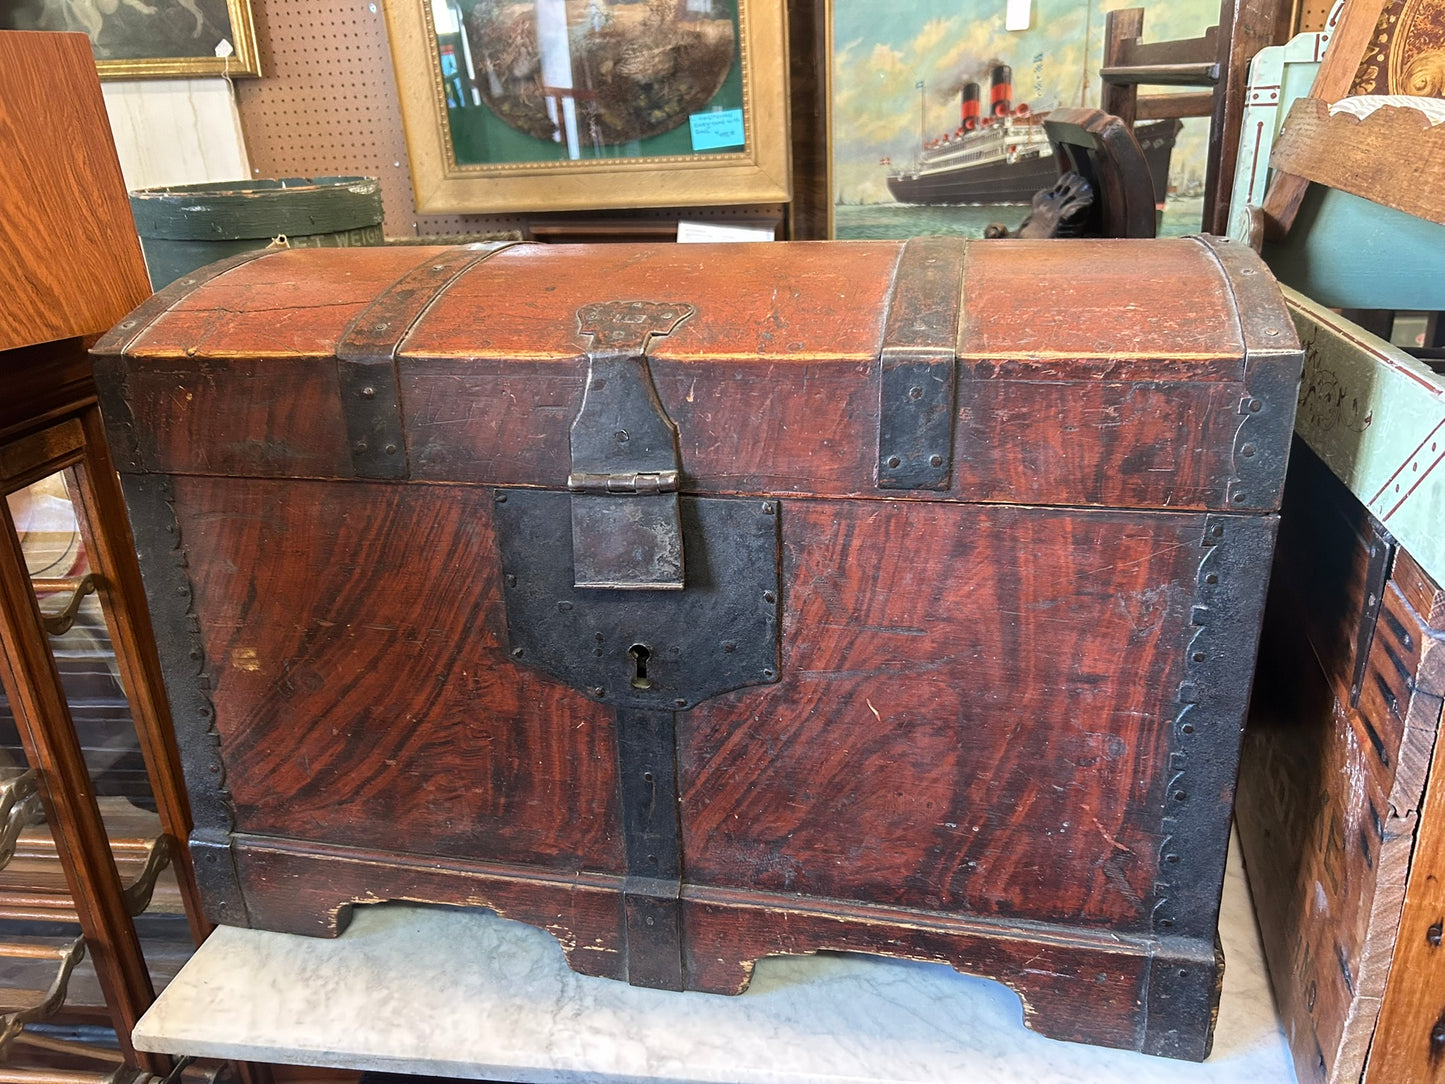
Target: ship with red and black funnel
{"x": 1005, "y": 157}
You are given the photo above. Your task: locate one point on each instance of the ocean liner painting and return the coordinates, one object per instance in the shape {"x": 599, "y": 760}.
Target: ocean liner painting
{"x": 928, "y": 136}
{"x": 1005, "y": 157}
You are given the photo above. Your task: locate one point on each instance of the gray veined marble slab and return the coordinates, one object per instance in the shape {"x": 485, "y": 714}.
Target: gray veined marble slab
{"x": 464, "y": 993}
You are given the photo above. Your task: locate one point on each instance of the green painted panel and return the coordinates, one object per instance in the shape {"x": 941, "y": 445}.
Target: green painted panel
{"x": 1348, "y": 252}
{"x": 1277, "y": 76}
{"x": 1377, "y": 417}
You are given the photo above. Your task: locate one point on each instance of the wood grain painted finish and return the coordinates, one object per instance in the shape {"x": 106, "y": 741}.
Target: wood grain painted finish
{"x": 1002, "y": 728}
{"x": 890, "y": 764}
{"x": 887, "y": 765}
{"x": 1138, "y": 410}
{"x": 378, "y": 662}
{"x": 1078, "y": 989}
{"x": 291, "y": 304}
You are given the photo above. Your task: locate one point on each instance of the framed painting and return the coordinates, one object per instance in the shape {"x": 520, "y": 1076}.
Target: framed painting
{"x": 146, "y": 39}
{"x": 1407, "y": 53}
{"x": 551, "y": 105}
{"x": 937, "y": 111}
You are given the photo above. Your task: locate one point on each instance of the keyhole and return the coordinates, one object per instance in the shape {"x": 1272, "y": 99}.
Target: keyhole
{"x": 640, "y": 654}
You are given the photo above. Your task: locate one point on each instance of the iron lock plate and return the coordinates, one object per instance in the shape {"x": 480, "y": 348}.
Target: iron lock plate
{"x": 663, "y": 649}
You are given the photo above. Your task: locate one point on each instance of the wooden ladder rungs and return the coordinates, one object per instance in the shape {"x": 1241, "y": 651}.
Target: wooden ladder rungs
{"x": 1172, "y": 106}
{"x": 1163, "y": 75}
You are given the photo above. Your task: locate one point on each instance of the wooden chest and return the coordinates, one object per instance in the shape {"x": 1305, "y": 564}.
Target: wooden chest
{"x": 704, "y": 603}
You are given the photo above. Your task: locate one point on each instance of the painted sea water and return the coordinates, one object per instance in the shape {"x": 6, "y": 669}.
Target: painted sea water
{"x": 881, "y": 221}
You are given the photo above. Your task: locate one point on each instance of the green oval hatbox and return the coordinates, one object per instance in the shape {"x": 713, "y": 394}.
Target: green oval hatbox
{"x": 187, "y": 226}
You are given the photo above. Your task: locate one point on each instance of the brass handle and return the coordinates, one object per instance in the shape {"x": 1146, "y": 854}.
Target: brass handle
{"x": 66, "y": 956}
{"x": 19, "y": 807}
{"x": 58, "y": 622}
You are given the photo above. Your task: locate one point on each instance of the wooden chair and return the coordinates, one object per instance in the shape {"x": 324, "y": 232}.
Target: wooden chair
{"x": 1217, "y": 61}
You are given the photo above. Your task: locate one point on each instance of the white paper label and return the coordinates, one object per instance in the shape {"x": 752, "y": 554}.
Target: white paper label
{"x": 713, "y": 231}
{"x": 223, "y": 48}
{"x": 1016, "y": 15}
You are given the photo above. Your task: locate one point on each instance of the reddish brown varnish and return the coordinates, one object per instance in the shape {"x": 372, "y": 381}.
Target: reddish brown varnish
{"x": 1004, "y": 730}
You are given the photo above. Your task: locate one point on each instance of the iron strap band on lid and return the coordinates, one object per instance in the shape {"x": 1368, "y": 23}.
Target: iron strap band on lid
{"x": 1271, "y": 367}
{"x": 366, "y": 359}
{"x": 918, "y": 366}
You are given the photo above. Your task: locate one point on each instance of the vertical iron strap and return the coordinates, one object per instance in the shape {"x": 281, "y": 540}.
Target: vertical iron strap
{"x": 366, "y": 359}
{"x": 917, "y": 366}
{"x": 1377, "y": 574}
{"x": 1220, "y": 638}
{"x": 170, "y": 594}
{"x": 647, "y": 770}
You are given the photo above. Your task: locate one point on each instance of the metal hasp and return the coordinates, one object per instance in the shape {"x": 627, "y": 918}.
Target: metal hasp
{"x": 626, "y": 529}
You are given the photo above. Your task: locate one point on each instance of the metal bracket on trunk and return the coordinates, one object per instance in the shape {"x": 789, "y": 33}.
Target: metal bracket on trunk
{"x": 648, "y": 654}
{"x": 917, "y": 366}
{"x": 366, "y": 372}
{"x": 1377, "y": 574}
{"x": 626, "y": 528}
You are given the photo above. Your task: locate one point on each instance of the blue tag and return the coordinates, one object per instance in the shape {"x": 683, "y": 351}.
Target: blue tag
{"x": 713, "y": 130}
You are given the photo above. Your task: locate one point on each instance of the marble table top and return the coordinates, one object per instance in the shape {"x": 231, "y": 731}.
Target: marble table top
{"x": 463, "y": 993}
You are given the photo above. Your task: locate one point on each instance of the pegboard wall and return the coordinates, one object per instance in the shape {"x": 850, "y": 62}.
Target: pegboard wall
{"x": 327, "y": 106}
{"x": 1313, "y": 14}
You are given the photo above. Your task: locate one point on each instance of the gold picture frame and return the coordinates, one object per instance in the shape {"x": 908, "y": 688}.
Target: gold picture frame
{"x": 126, "y": 37}
{"x": 520, "y": 170}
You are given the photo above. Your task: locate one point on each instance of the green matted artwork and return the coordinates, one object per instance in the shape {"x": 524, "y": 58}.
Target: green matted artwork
{"x": 563, "y": 104}
{"x": 937, "y": 111}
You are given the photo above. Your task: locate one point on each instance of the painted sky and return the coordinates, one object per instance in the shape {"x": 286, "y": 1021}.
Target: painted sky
{"x": 882, "y": 49}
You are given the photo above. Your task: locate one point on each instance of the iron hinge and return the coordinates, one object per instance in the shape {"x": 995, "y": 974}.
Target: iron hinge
{"x": 644, "y": 483}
